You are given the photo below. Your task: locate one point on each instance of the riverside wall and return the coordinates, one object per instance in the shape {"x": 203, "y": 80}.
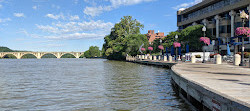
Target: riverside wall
{"x": 199, "y": 97}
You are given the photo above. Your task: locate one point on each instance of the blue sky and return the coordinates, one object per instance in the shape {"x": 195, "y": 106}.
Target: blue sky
{"x": 74, "y": 25}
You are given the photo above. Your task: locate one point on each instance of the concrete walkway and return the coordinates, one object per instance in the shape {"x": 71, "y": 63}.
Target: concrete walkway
{"x": 232, "y": 82}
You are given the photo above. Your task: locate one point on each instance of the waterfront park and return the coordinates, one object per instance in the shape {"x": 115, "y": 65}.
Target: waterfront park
{"x": 104, "y": 55}
{"x": 206, "y": 80}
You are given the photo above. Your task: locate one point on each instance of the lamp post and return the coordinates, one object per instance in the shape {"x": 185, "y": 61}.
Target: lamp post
{"x": 204, "y": 30}
{"x": 243, "y": 16}
{"x": 176, "y": 50}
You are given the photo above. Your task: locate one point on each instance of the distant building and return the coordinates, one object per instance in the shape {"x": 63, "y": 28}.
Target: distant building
{"x": 221, "y": 17}
{"x": 152, "y": 35}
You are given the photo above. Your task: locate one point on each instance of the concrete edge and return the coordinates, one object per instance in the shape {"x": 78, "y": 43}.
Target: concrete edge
{"x": 234, "y": 100}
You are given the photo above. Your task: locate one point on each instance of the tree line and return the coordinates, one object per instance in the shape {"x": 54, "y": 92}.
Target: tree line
{"x": 125, "y": 39}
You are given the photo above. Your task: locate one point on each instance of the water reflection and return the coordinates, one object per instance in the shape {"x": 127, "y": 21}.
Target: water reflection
{"x": 84, "y": 84}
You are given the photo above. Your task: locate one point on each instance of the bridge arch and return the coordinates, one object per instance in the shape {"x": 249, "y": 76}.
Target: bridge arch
{"x": 28, "y": 54}
{"x": 10, "y": 56}
{"x": 44, "y": 54}
{"x": 69, "y": 54}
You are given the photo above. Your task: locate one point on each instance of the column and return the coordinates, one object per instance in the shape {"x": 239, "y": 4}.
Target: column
{"x": 248, "y": 8}
{"x": 217, "y": 18}
{"x": 232, "y": 14}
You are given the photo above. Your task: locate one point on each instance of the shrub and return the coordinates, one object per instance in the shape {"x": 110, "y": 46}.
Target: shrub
{"x": 246, "y": 54}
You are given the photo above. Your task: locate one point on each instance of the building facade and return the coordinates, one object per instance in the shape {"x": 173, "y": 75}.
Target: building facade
{"x": 221, "y": 17}
{"x": 151, "y": 35}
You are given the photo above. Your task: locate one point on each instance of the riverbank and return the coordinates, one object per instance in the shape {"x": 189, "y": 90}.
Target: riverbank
{"x": 210, "y": 86}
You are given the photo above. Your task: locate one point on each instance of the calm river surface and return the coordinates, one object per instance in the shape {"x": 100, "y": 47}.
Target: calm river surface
{"x": 85, "y": 84}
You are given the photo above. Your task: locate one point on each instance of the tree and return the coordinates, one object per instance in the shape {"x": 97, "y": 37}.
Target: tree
{"x": 92, "y": 52}
{"x": 124, "y": 38}
{"x": 191, "y": 36}
{"x": 166, "y": 41}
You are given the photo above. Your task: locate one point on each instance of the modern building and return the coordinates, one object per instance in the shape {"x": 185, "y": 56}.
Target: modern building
{"x": 151, "y": 35}
{"x": 221, "y": 17}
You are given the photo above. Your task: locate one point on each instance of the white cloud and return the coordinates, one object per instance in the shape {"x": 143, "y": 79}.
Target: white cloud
{"x": 19, "y": 14}
{"x": 76, "y": 36}
{"x": 23, "y": 31}
{"x": 97, "y": 10}
{"x": 34, "y": 7}
{"x": 1, "y": 6}
{"x": 75, "y": 17}
{"x": 4, "y": 20}
{"x": 76, "y": 30}
{"x": 59, "y": 16}
{"x": 186, "y": 5}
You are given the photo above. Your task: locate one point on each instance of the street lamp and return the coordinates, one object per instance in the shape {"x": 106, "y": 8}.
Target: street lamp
{"x": 176, "y": 50}
{"x": 160, "y": 44}
{"x": 204, "y": 30}
{"x": 243, "y": 16}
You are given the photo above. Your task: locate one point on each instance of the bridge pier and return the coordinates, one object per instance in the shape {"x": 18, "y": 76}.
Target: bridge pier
{"x": 58, "y": 55}
{"x": 18, "y": 56}
{"x": 77, "y": 55}
{"x": 38, "y": 56}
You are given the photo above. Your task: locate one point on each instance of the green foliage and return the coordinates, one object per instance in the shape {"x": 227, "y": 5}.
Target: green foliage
{"x": 68, "y": 56}
{"x": 27, "y": 56}
{"x": 125, "y": 38}
{"x": 5, "y": 49}
{"x": 48, "y": 56}
{"x": 9, "y": 56}
{"x": 92, "y": 52}
{"x": 191, "y": 35}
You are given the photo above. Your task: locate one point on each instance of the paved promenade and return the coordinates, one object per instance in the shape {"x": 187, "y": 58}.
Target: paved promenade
{"x": 232, "y": 82}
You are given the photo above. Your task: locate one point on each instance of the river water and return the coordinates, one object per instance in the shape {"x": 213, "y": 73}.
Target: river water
{"x": 85, "y": 84}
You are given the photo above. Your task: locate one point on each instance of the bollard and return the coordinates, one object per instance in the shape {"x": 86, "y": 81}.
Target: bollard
{"x": 146, "y": 57}
{"x": 154, "y": 58}
{"x": 150, "y": 57}
{"x": 165, "y": 58}
{"x": 218, "y": 59}
{"x": 159, "y": 58}
{"x": 170, "y": 59}
{"x": 193, "y": 59}
{"x": 142, "y": 57}
{"x": 237, "y": 58}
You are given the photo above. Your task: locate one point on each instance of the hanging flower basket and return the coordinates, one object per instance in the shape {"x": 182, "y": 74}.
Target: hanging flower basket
{"x": 150, "y": 48}
{"x": 161, "y": 47}
{"x": 242, "y": 31}
{"x": 206, "y": 40}
{"x": 177, "y": 44}
{"x": 143, "y": 49}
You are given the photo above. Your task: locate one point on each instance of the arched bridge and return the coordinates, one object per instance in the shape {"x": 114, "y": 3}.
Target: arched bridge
{"x": 39, "y": 55}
